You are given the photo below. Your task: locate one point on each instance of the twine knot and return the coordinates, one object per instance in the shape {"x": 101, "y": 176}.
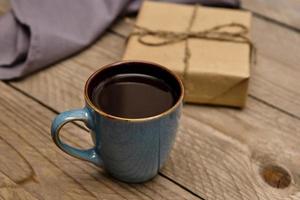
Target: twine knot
{"x": 218, "y": 32}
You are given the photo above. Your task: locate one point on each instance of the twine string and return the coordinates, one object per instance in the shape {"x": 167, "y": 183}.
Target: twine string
{"x": 217, "y": 32}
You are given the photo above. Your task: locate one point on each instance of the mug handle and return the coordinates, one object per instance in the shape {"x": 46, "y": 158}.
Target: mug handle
{"x": 69, "y": 116}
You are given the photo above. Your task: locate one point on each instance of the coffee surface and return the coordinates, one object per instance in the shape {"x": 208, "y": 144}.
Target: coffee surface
{"x": 133, "y": 96}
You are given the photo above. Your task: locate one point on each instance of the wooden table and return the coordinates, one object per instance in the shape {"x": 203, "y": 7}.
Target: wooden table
{"x": 220, "y": 153}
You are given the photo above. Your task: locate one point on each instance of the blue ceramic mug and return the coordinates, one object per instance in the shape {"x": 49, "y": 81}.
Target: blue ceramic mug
{"x": 131, "y": 150}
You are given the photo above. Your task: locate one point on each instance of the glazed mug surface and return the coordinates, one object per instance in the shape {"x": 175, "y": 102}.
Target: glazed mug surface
{"x": 130, "y": 149}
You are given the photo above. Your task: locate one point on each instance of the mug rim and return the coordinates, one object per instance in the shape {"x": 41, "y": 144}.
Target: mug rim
{"x": 114, "y": 64}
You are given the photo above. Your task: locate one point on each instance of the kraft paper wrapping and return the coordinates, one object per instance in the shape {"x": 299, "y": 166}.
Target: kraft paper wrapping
{"x": 218, "y": 71}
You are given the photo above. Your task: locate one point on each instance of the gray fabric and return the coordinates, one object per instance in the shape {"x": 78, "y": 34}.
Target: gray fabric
{"x": 37, "y": 33}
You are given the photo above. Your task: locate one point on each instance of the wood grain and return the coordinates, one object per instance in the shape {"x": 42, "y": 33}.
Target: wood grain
{"x": 207, "y": 140}
{"x": 286, "y": 12}
{"x": 219, "y": 153}
{"x": 275, "y": 78}
{"x": 24, "y": 130}
{"x": 224, "y": 152}
{"x": 9, "y": 190}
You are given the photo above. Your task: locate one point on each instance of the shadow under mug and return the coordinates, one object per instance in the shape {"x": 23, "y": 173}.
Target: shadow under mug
{"x": 131, "y": 150}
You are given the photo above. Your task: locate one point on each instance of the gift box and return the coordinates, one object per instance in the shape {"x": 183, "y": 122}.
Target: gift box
{"x": 209, "y": 48}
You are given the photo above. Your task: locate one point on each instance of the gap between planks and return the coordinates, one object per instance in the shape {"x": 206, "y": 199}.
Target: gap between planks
{"x": 154, "y": 185}
{"x": 272, "y": 106}
{"x": 85, "y": 129}
{"x": 285, "y": 12}
{"x": 211, "y": 123}
{"x": 274, "y": 21}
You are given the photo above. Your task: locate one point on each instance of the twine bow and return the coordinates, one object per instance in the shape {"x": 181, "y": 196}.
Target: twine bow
{"x": 215, "y": 33}
{"x": 218, "y": 33}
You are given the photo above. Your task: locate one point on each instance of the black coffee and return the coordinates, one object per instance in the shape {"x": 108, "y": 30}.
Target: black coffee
{"x": 133, "y": 96}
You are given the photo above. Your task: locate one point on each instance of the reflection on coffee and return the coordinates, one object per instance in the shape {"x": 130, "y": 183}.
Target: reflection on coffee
{"x": 133, "y": 96}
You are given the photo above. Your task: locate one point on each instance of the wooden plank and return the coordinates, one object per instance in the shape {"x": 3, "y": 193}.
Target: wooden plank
{"x": 195, "y": 161}
{"x": 51, "y": 174}
{"x": 219, "y": 152}
{"x": 10, "y": 190}
{"x": 275, "y": 78}
{"x": 287, "y": 11}
{"x": 224, "y": 152}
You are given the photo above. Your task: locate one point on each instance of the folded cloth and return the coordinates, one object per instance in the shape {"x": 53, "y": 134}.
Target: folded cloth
{"x": 35, "y": 33}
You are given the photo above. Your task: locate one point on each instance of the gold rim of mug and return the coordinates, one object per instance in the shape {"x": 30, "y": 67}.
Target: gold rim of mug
{"x": 89, "y": 102}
